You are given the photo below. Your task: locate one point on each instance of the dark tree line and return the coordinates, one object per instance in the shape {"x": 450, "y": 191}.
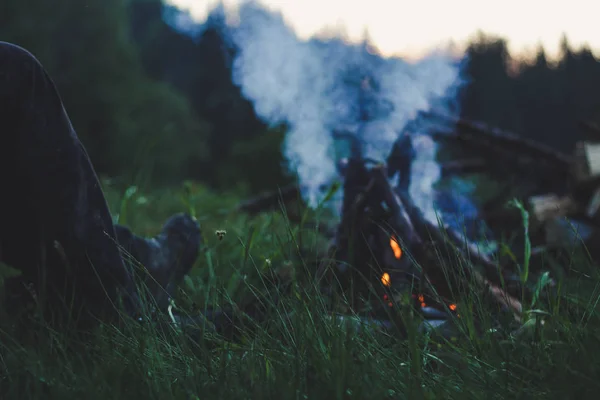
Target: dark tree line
{"x": 540, "y": 99}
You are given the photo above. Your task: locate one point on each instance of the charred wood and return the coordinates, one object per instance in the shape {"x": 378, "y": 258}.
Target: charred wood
{"x": 468, "y": 255}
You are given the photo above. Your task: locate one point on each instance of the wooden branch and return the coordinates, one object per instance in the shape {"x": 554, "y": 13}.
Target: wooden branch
{"x": 464, "y": 167}
{"x": 499, "y": 159}
{"x": 403, "y": 223}
{"x": 270, "y": 200}
{"x": 508, "y": 140}
{"x": 593, "y": 206}
{"x": 352, "y": 206}
{"x": 550, "y": 206}
{"x": 463, "y": 270}
{"x": 541, "y": 168}
{"x": 587, "y": 161}
{"x": 591, "y": 128}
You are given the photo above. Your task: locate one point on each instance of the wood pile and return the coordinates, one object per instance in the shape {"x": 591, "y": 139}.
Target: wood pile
{"x": 562, "y": 187}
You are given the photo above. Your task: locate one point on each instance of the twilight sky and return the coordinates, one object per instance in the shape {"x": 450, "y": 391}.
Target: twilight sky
{"x": 411, "y": 28}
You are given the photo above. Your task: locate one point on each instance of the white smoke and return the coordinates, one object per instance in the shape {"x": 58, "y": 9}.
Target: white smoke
{"x": 425, "y": 173}
{"x": 309, "y": 86}
{"x": 302, "y": 82}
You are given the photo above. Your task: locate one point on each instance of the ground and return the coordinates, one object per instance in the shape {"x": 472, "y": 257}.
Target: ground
{"x": 301, "y": 353}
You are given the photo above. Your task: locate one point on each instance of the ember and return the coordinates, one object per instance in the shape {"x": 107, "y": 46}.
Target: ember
{"x": 385, "y": 279}
{"x": 395, "y": 247}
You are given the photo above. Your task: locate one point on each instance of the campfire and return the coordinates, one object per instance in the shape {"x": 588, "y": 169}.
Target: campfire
{"x": 383, "y": 244}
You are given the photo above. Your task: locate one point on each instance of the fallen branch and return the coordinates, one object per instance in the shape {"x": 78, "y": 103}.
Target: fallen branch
{"x": 472, "y": 166}
{"x": 478, "y": 131}
{"x": 270, "y": 200}
{"x": 590, "y": 127}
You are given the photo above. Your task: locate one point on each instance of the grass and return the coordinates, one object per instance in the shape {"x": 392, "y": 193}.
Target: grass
{"x": 303, "y": 353}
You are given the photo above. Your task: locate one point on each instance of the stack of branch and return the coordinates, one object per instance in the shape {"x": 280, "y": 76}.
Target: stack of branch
{"x": 562, "y": 187}
{"x": 372, "y": 211}
{"x": 460, "y": 266}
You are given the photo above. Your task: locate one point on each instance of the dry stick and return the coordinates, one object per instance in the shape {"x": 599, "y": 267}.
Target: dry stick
{"x": 499, "y": 160}
{"x": 463, "y": 167}
{"x": 403, "y": 223}
{"x": 402, "y": 203}
{"x": 480, "y": 136}
{"x": 269, "y": 200}
{"x": 510, "y": 152}
{"x": 359, "y": 203}
{"x": 476, "y": 130}
{"x": 590, "y": 127}
{"x": 515, "y": 142}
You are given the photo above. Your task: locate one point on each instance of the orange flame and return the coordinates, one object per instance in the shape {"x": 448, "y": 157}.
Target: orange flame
{"x": 395, "y": 247}
{"x": 385, "y": 279}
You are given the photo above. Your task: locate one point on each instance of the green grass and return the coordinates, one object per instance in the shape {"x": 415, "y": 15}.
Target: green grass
{"x": 301, "y": 352}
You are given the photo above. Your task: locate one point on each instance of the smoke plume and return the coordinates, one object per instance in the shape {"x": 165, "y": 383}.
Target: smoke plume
{"x": 312, "y": 85}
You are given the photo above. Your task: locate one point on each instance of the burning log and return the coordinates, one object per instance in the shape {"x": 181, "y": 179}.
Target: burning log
{"x": 367, "y": 252}
{"x": 419, "y": 237}
{"x": 464, "y": 270}
{"x": 381, "y": 226}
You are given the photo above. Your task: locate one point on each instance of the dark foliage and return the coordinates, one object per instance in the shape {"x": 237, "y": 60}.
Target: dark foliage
{"x": 539, "y": 99}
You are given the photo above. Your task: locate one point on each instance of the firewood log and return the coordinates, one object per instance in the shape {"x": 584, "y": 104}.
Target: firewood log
{"x": 470, "y": 131}
{"x": 591, "y": 128}
{"x": 550, "y": 206}
{"x": 586, "y": 164}
{"x": 270, "y": 200}
{"x": 464, "y": 167}
{"x": 593, "y": 206}
{"x": 463, "y": 271}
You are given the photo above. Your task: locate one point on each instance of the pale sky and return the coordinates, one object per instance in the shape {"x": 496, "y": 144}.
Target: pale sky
{"x": 411, "y": 28}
